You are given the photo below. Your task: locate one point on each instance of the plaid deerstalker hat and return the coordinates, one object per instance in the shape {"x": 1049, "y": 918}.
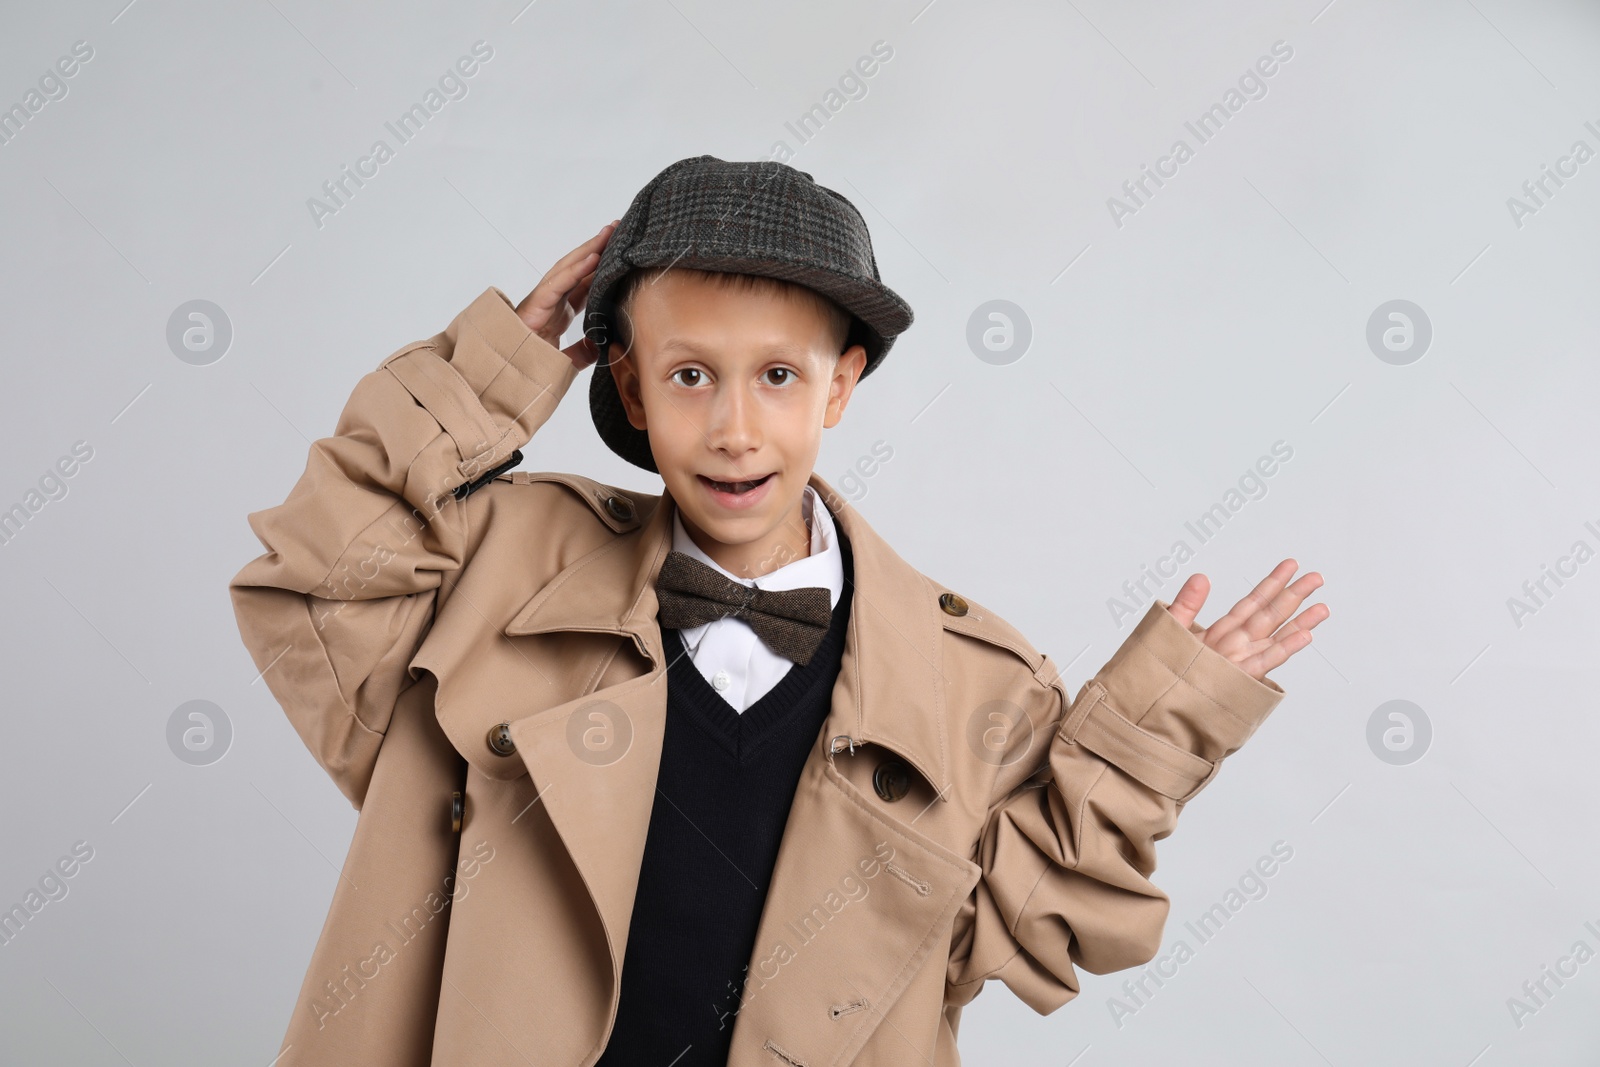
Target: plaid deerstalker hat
{"x": 746, "y": 218}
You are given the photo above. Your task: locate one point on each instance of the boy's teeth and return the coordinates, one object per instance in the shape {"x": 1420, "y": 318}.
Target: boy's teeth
{"x": 736, "y": 487}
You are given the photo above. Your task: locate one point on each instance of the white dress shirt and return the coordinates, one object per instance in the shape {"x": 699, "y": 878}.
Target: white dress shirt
{"x": 736, "y": 662}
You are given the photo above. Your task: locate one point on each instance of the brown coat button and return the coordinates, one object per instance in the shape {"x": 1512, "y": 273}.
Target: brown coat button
{"x": 500, "y": 742}
{"x": 892, "y": 779}
{"x": 621, "y": 508}
{"x": 952, "y": 604}
{"x": 458, "y": 811}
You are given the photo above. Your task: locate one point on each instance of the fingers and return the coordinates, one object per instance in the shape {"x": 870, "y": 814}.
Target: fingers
{"x": 589, "y": 252}
{"x": 579, "y": 295}
{"x": 1190, "y": 599}
{"x": 1261, "y": 611}
{"x": 1303, "y": 623}
{"x": 561, "y": 281}
{"x": 1274, "y": 655}
{"x": 1294, "y": 636}
{"x": 1283, "y": 604}
{"x": 571, "y": 269}
{"x": 1266, "y": 635}
{"x": 582, "y": 352}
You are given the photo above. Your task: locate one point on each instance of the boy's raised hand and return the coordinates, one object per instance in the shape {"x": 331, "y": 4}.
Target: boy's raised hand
{"x": 1257, "y": 635}
{"x": 562, "y": 293}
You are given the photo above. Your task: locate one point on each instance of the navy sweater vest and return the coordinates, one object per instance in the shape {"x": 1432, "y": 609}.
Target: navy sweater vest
{"x": 725, "y": 786}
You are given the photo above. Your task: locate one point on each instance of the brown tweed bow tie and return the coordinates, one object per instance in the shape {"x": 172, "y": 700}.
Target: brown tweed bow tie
{"x": 791, "y": 622}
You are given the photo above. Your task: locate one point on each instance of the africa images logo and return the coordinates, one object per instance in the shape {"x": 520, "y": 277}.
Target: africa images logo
{"x": 1252, "y": 85}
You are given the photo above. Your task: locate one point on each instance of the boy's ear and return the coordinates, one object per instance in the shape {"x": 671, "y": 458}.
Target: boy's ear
{"x": 625, "y": 373}
{"x": 852, "y": 361}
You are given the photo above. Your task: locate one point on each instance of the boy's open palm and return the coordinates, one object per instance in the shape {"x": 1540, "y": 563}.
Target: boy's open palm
{"x": 562, "y": 293}
{"x": 1257, "y": 635}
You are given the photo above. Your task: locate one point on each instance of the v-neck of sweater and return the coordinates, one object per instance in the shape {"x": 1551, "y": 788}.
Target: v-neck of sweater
{"x": 741, "y": 734}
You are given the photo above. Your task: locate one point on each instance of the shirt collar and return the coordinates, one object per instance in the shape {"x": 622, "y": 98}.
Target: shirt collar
{"x": 823, "y": 567}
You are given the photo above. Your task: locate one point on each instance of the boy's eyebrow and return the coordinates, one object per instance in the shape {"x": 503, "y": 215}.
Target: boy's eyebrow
{"x": 782, "y": 348}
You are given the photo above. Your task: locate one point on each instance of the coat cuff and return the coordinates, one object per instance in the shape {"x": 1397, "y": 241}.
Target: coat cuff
{"x": 1167, "y": 709}
{"x": 490, "y": 382}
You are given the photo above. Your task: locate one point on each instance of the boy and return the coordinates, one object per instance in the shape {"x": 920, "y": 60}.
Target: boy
{"x": 711, "y": 776}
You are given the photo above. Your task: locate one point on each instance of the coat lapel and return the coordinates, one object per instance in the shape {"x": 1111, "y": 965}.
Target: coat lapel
{"x": 594, "y": 759}
{"x": 594, "y": 762}
{"x": 858, "y": 898}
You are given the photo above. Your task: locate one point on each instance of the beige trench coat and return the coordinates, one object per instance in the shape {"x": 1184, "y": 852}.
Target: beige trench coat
{"x": 400, "y": 623}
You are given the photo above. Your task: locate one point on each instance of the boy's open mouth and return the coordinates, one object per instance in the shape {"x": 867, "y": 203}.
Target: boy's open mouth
{"x": 734, "y": 487}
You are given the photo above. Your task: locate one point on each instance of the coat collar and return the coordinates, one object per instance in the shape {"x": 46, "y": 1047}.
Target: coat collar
{"x": 893, "y": 647}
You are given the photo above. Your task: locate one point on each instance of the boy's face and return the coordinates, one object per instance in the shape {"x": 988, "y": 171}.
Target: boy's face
{"x": 734, "y": 386}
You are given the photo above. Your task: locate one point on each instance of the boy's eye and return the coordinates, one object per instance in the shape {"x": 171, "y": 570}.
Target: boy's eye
{"x": 692, "y": 376}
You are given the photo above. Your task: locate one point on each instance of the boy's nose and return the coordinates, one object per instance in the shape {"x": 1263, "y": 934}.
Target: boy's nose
{"x": 735, "y": 424}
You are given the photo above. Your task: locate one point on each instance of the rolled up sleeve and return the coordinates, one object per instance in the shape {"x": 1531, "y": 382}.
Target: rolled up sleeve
{"x": 382, "y": 518}
{"x": 1067, "y": 856}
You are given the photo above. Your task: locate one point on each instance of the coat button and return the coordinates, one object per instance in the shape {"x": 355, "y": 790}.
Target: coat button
{"x": 458, "y": 811}
{"x": 892, "y": 779}
{"x": 952, "y": 604}
{"x": 500, "y": 742}
{"x": 621, "y": 508}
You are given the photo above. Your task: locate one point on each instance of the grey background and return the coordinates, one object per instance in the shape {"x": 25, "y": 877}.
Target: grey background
{"x": 1229, "y": 312}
